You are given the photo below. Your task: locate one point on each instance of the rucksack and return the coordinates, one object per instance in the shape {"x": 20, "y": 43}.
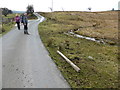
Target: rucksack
{"x": 22, "y": 18}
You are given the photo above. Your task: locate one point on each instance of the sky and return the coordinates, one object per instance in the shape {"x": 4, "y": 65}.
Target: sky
{"x": 60, "y": 5}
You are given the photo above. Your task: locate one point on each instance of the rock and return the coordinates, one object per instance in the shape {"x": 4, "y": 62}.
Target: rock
{"x": 90, "y": 57}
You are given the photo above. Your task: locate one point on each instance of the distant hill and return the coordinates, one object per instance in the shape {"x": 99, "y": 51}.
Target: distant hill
{"x": 18, "y": 11}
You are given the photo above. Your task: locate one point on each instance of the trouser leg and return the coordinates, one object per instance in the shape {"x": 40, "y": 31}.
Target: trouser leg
{"x": 18, "y": 25}
{"x": 25, "y": 29}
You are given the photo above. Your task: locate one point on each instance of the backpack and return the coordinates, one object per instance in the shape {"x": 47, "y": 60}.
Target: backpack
{"x": 22, "y": 18}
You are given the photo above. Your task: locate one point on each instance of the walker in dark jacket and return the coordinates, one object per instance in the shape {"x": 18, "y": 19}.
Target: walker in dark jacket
{"x": 25, "y": 22}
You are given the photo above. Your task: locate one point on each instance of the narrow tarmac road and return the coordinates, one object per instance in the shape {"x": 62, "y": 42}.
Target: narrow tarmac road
{"x": 25, "y": 61}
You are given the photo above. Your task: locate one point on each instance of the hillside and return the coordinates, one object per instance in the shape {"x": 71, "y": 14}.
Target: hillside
{"x": 100, "y": 25}
{"x": 98, "y": 61}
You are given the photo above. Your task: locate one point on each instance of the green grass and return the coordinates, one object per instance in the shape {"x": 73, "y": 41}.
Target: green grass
{"x": 31, "y": 17}
{"x": 99, "y": 72}
{"x": 9, "y": 16}
{"x": 6, "y": 27}
{"x": 99, "y": 25}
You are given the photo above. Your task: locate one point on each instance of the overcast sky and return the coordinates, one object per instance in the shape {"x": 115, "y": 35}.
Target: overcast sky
{"x": 59, "y": 5}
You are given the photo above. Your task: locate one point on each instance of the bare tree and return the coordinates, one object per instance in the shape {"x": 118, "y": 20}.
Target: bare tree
{"x": 30, "y": 9}
{"x": 6, "y": 11}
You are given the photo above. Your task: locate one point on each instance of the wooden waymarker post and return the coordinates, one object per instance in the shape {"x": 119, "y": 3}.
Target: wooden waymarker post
{"x": 71, "y": 63}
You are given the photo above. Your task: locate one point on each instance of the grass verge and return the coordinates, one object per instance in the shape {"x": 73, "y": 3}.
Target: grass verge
{"x": 6, "y": 28}
{"x": 98, "y": 62}
{"x": 9, "y": 16}
{"x": 31, "y": 17}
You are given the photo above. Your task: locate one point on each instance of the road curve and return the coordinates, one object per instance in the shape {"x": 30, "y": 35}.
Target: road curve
{"x": 25, "y": 61}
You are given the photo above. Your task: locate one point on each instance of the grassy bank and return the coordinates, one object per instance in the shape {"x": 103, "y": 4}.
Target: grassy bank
{"x": 31, "y": 16}
{"x": 98, "y": 62}
{"x": 9, "y": 16}
{"x": 7, "y": 26}
{"x": 99, "y": 25}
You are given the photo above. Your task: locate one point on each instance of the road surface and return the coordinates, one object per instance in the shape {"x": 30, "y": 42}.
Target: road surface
{"x": 25, "y": 61}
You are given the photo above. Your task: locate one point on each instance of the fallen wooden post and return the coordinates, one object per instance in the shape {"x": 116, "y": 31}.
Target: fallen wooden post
{"x": 71, "y": 63}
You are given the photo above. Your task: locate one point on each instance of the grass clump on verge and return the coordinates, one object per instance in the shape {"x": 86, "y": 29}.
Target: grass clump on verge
{"x": 7, "y": 27}
{"x": 31, "y": 16}
{"x": 9, "y": 16}
{"x": 98, "y": 62}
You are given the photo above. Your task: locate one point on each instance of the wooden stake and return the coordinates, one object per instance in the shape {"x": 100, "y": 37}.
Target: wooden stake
{"x": 71, "y": 63}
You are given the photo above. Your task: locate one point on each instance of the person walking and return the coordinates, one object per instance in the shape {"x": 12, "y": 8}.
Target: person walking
{"x": 25, "y": 23}
{"x": 17, "y": 20}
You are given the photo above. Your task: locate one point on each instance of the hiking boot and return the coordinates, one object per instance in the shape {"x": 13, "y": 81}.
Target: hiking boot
{"x": 27, "y": 33}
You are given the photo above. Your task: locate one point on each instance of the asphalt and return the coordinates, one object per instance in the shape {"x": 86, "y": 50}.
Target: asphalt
{"x": 26, "y": 62}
